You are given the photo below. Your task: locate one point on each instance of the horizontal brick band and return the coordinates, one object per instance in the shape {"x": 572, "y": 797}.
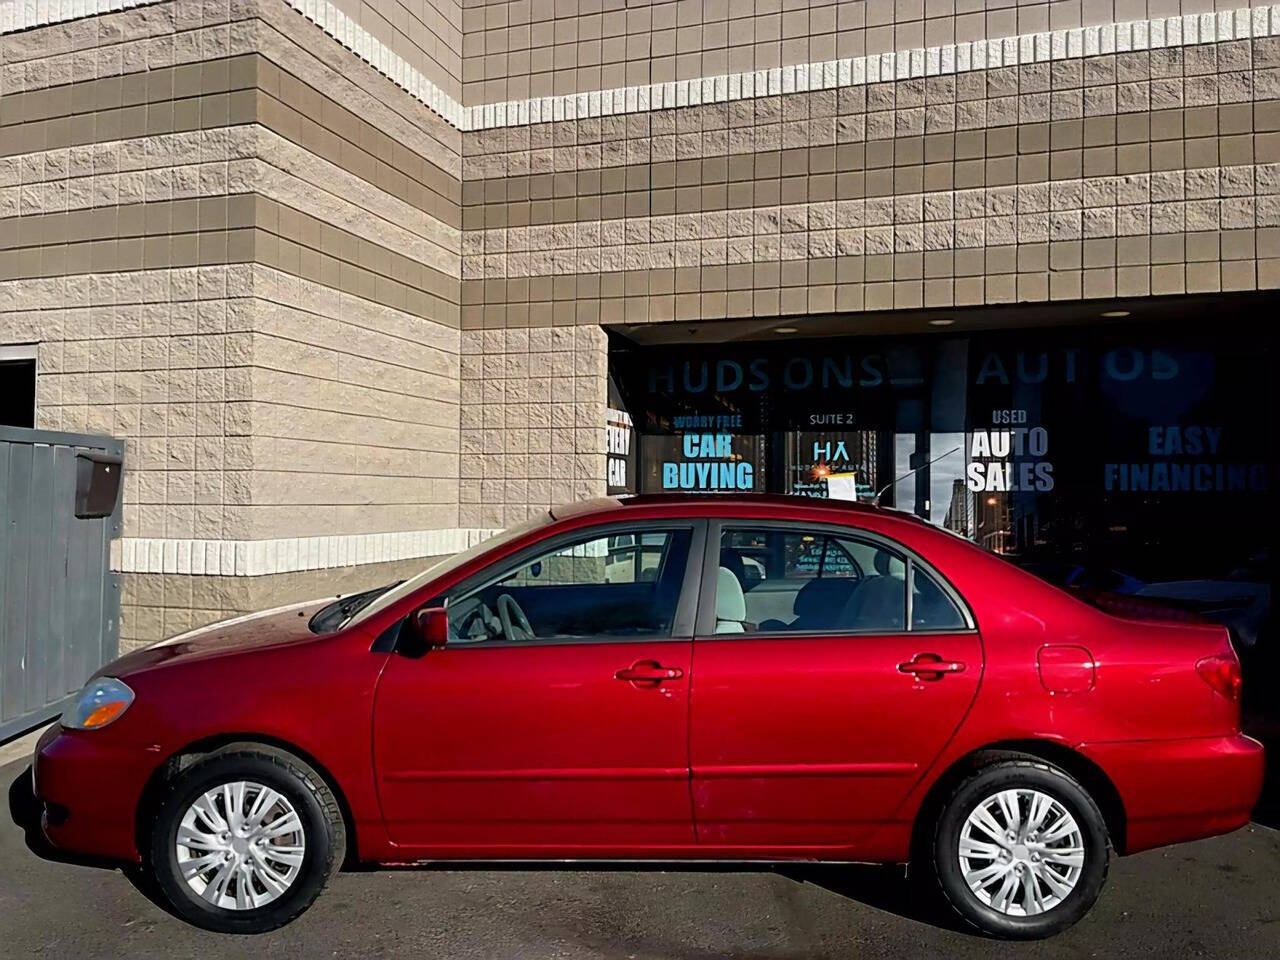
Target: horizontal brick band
{"x": 1066, "y": 209}
{"x": 18, "y": 15}
{"x": 212, "y": 163}
{"x": 946, "y": 59}
{"x": 222, "y": 93}
{"x": 1180, "y": 261}
{"x": 203, "y": 231}
{"x": 1027, "y": 153}
{"x": 952, "y": 58}
{"x": 252, "y": 558}
{"x": 347, "y": 31}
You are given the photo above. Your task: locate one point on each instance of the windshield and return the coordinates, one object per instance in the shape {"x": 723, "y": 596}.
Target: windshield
{"x": 331, "y": 617}
{"x": 397, "y": 593}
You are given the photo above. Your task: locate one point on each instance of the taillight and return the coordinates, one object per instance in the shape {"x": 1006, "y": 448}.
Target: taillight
{"x": 1222, "y": 672}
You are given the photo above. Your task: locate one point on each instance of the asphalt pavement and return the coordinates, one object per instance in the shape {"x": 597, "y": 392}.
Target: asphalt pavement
{"x": 1214, "y": 898}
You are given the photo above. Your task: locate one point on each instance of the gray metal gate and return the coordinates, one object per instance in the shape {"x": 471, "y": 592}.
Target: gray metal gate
{"x": 59, "y": 600}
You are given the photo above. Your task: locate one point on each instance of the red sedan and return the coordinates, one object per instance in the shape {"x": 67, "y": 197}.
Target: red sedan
{"x": 736, "y": 678}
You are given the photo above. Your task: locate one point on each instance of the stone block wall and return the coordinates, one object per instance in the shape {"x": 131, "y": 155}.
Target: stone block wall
{"x": 513, "y": 49}
{"x": 426, "y": 33}
{"x": 1128, "y": 174}
{"x": 532, "y": 420}
{"x": 1048, "y": 177}
{"x": 240, "y": 252}
{"x": 346, "y": 322}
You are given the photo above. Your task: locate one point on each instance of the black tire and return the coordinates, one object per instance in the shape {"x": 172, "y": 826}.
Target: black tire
{"x": 317, "y": 808}
{"x": 945, "y": 849}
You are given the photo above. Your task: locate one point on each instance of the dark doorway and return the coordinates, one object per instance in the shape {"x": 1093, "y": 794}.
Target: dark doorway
{"x": 18, "y": 393}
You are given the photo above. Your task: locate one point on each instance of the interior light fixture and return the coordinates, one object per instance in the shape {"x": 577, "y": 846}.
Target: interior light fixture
{"x": 941, "y": 322}
{"x": 785, "y": 330}
{"x": 1114, "y": 314}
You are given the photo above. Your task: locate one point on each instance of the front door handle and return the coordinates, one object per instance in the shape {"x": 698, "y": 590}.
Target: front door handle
{"x": 648, "y": 672}
{"x": 930, "y": 666}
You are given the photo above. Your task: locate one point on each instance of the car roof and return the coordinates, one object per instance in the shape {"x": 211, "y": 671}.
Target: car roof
{"x": 722, "y": 503}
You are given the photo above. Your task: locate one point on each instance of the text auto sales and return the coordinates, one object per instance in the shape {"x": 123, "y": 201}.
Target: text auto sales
{"x": 991, "y": 471}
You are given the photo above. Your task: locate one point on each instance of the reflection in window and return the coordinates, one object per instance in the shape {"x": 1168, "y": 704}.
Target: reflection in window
{"x": 839, "y": 464}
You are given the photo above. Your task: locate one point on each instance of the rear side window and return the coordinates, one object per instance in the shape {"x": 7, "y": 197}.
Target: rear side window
{"x": 792, "y": 581}
{"x": 755, "y": 555}
{"x": 931, "y": 607}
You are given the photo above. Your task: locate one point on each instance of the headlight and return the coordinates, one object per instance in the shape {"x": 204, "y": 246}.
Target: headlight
{"x": 100, "y": 702}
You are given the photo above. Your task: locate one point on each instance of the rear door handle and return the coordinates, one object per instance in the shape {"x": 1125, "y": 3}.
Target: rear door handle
{"x": 648, "y": 672}
{"x": 930, "y": 666}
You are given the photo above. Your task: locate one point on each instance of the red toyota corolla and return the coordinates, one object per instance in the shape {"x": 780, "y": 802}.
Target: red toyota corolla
{"x": 739, "y": 678}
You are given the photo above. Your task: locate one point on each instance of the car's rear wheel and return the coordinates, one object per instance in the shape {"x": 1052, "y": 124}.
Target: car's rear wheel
{"x": 1020, "y": 850}
{"x": 244, "y": 840}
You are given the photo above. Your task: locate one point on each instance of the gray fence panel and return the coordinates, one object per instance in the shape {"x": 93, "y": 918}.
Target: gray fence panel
{"x": 37, "y": 672}
{"x": 64, "y": 668}
{"x": 17, "y": 558}
{"x": 6, "y": 456}
{"x": 59, "y": 600}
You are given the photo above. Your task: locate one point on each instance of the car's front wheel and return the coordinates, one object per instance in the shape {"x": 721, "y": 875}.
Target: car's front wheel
{"x": 244, "y": 840}
{"x": 1020, "y": 850}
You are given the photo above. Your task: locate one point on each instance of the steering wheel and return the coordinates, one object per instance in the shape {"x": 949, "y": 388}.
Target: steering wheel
{"x": 515, "y": 624}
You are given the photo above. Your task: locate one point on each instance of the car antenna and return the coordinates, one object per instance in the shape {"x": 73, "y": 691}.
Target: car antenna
{"x": 911, "y": 472}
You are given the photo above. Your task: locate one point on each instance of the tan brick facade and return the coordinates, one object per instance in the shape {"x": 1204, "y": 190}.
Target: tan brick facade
{"x": 315, "y": 307}
{"x": 528, "y": 48}
{"x": 242, "y": 255}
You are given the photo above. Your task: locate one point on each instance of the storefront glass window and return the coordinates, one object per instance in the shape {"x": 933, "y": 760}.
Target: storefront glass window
{"x": 1129, "y": 460}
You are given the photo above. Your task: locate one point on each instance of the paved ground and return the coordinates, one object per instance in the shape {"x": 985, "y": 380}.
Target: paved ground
{"x": 20, "y": 748}
{"x": 1216, "y": 898}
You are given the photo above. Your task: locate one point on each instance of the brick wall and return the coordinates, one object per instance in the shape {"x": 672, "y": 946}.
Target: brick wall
{"x": 342, "y": 332}
{"x": 1148, "y": 172}
{"x": 514, "y": 49}
{"x": 240, "y": 252}
{"x": 426, "y": 33}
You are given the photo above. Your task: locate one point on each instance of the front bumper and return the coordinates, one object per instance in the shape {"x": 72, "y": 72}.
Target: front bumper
{"x": 89, "y": 789}
{"x": 1176, "y": 790}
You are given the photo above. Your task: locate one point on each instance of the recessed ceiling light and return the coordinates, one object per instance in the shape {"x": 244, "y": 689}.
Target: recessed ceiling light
{"x": 1112, "y": 314}
{"x": 785, "y": 330}
{"x": 941, "y": 322}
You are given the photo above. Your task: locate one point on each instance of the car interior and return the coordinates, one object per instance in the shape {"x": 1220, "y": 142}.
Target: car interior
{"x": 624, "y": 584}
{"x": 799, "y": 583}
{"x": 768, "y": 581}
{"x": 778, "y": 581}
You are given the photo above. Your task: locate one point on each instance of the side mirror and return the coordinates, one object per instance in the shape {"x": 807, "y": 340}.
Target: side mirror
{"x": 431, "y": 626}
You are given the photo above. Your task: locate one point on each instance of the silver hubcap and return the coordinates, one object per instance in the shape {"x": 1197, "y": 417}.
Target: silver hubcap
{"x": 1021, "y": 852}
{"x": 240, "y": 845}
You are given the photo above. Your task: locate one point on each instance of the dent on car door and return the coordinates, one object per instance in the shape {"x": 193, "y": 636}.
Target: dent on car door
{"x": 862, "y": 692}
{"x": 569, "y": 737}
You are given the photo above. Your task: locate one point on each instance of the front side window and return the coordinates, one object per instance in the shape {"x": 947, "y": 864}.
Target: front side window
{"x": 796, "y": 582}
{"x": 617, "y": 584}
